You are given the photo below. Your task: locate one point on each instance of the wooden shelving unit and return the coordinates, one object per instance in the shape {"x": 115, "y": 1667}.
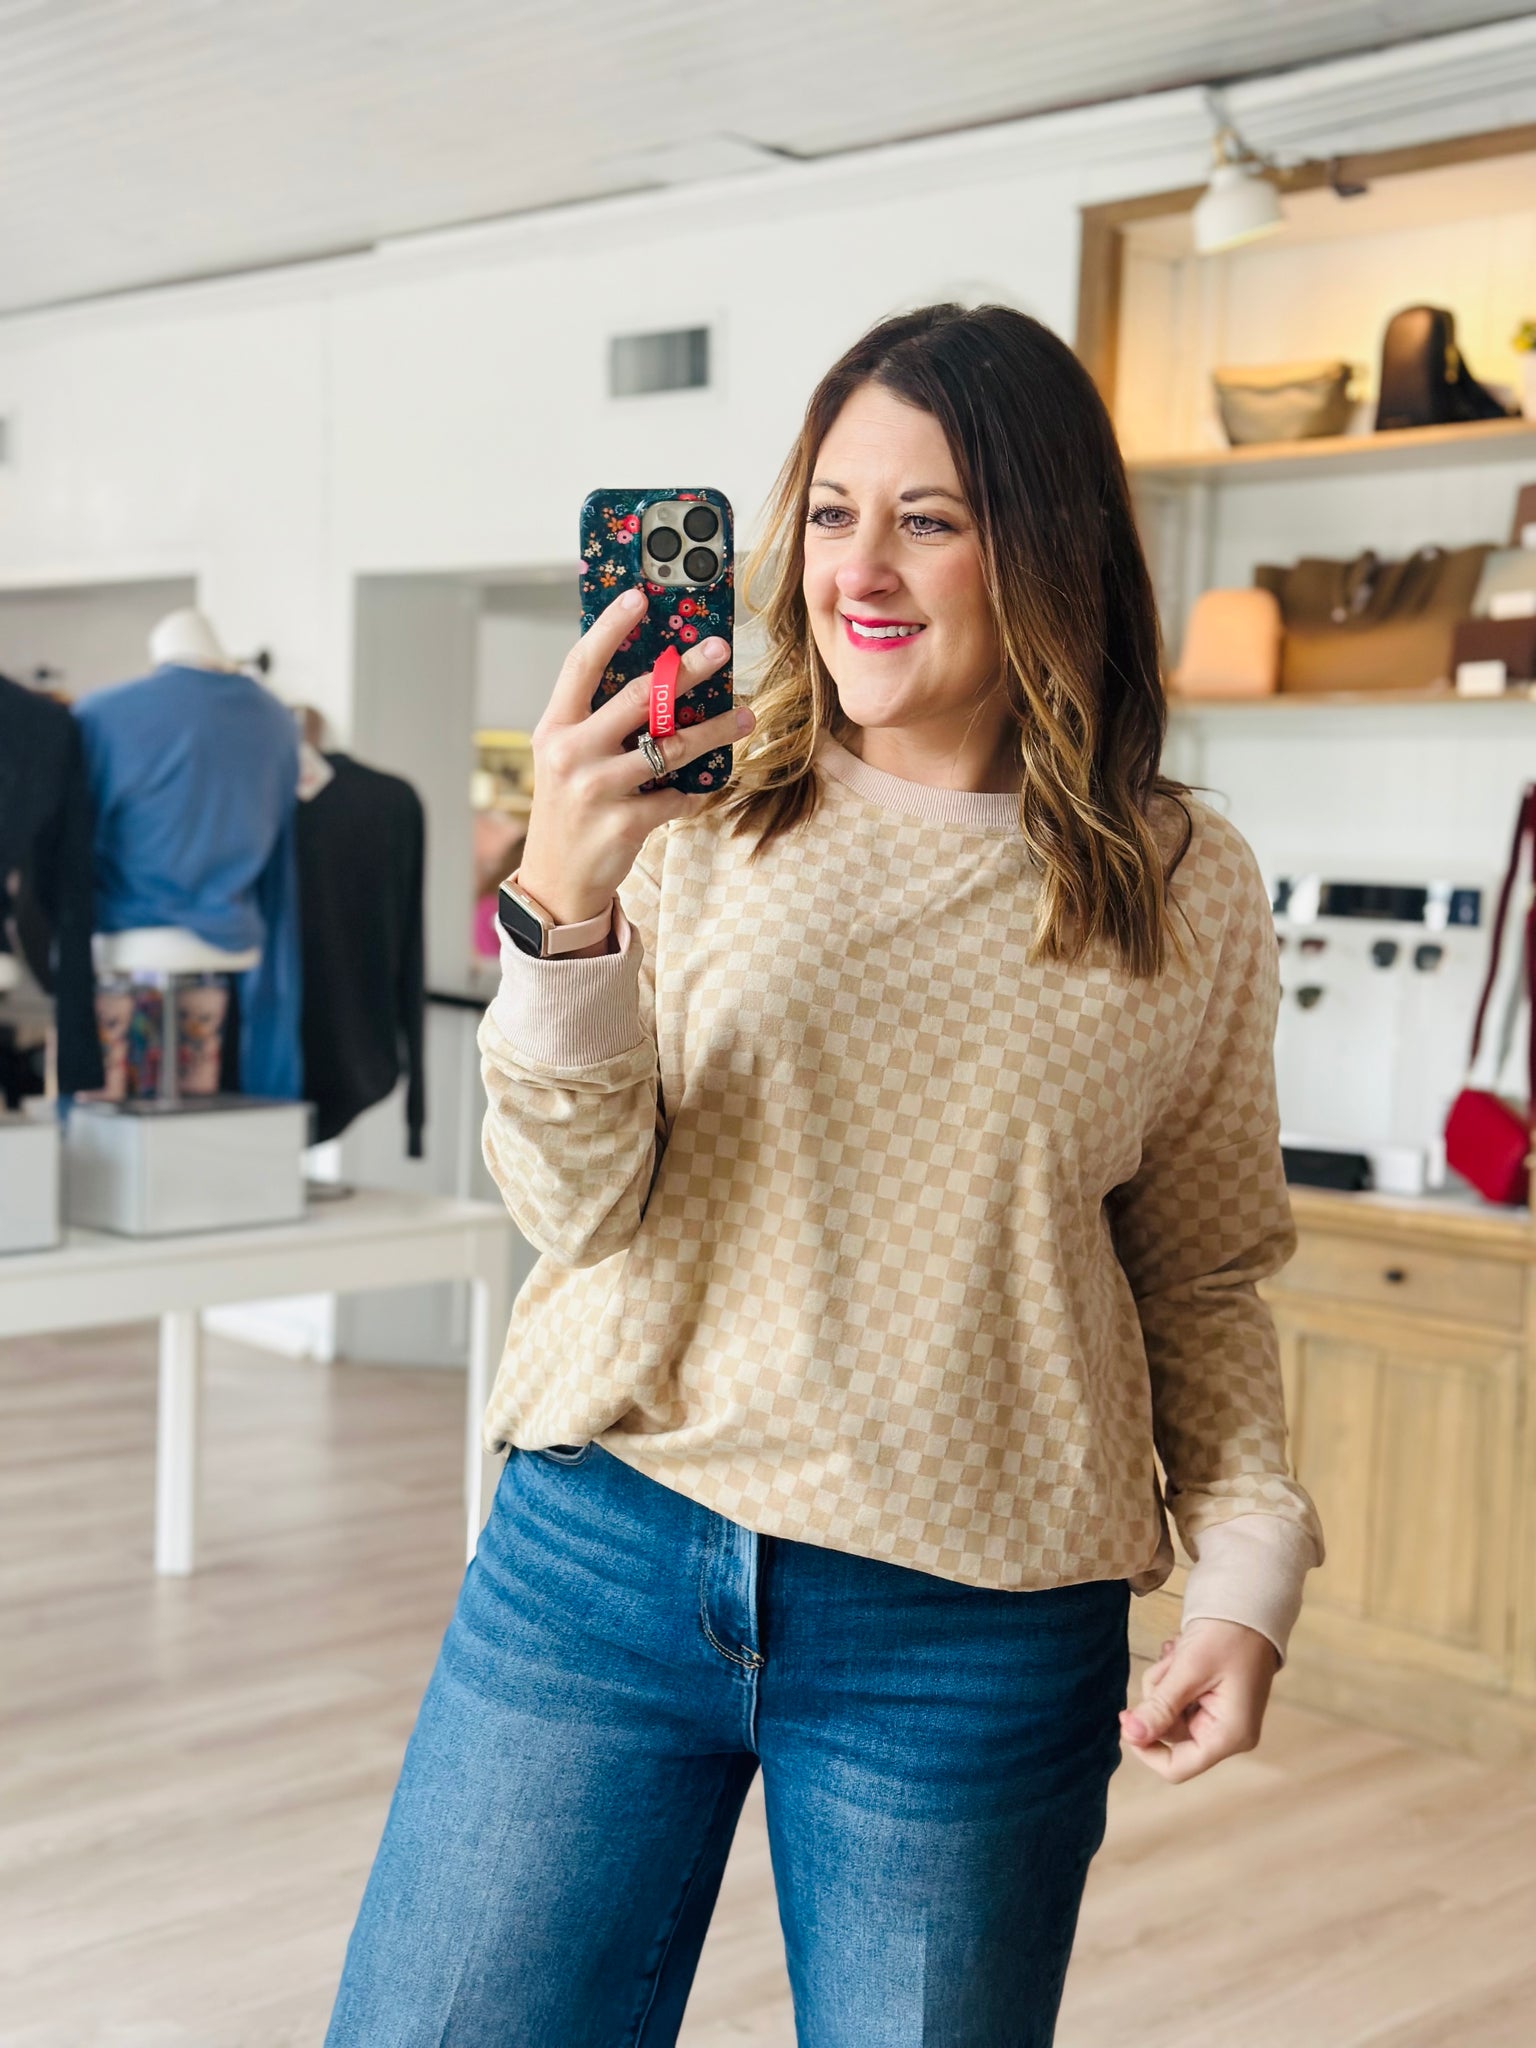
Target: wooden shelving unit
{"x": 1343, "y": 454}
{"x": 1183, "y": 493}
{"x": 1300, "y": 700}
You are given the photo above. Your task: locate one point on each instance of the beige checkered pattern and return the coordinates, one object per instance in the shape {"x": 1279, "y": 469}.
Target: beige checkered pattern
{"x": 859, "y": 1229}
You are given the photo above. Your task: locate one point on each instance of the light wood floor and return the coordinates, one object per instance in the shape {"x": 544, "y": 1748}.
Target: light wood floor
{"x": 193, "y": 1774}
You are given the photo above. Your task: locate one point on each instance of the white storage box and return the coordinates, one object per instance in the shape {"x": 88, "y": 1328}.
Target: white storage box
{"x": 216, "y": 1162}
{"x": 29, "y": 1183}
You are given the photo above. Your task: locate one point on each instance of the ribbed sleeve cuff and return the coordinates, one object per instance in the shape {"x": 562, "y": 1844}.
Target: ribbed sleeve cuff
{"x": 1250, "y": 1569}
{"x": 571, "y": 1012}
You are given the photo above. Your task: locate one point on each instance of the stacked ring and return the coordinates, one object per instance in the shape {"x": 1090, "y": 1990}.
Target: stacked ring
{"x": 653, "y": 754}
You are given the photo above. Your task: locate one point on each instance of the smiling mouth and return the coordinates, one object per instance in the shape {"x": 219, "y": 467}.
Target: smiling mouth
{"x": 880, "y": 632}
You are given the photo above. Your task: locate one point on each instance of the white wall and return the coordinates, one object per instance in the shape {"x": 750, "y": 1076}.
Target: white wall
{"x": 189, "y": 440}
{"x": 1425, "y": 791}
{"x": 90, "y": 636}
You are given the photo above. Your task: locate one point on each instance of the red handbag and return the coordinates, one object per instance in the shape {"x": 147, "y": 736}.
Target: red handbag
{"x": 1488, "y": 1138}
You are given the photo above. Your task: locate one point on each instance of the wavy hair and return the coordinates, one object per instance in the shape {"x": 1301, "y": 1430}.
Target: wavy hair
{"x": 1072, "y": 605}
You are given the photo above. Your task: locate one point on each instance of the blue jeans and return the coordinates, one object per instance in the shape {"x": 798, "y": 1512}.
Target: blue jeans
{"x": 935, "y": 1757}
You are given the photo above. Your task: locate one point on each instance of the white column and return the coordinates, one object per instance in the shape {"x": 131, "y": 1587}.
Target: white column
{"x": 176, "y": 1457}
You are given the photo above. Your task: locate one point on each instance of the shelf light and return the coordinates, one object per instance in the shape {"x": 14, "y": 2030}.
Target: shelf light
{"x": 1240, "y": 203}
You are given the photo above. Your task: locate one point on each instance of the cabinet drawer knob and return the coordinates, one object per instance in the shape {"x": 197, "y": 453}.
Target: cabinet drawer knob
{"x": 1395, "y": 1274}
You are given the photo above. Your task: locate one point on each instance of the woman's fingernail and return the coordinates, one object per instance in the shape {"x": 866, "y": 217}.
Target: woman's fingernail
{"x": 633, "y": 600}
{"x": 712, "y": 647}
{"x": 744, "y": 720}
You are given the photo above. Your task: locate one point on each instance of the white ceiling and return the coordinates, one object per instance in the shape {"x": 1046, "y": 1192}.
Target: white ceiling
{"x": 143, "y": 141}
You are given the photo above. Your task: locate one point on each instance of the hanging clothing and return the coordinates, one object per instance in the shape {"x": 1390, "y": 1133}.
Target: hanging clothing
{"x": 45, "y": 836}
{"x": 859, "y": 1227}
{"x": 361, "y": 843}
{"x": 193, "y": 773}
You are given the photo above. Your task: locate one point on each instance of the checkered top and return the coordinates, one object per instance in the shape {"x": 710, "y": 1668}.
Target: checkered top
{"x": 859, "y": 1229}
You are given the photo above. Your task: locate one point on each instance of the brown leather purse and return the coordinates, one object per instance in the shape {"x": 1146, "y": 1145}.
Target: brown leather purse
{"x": 1370, "y": 624}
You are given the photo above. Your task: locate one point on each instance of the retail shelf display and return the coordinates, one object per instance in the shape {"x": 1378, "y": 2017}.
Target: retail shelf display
{"x": 1294, "y": 700}
{"x": 1343, "y": 454}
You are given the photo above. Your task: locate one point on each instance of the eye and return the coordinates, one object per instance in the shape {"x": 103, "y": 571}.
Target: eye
{"x": 920, "y": 525}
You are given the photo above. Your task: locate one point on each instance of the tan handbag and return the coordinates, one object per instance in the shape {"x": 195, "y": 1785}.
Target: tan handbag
{"x": 1369, "y": 624}
{"x": 1283, "y": 401}
{"x": 1231, "y": 646}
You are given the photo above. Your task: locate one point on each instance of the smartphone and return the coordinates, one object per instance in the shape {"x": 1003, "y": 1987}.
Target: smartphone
{"x": 679, "y": 548}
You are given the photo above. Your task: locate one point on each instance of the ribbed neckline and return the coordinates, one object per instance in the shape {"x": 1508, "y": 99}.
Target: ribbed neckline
{"x": 983, "y": 810}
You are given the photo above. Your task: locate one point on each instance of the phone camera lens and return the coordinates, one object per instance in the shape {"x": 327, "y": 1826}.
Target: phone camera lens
{"x": 700, "y": 564}
{"x": 663, "y": 543}
{"x": 701, "y": 523}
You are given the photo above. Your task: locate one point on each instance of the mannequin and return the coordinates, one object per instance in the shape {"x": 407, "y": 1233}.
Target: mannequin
{"x": 314, "y": 737}
{"x": 194, "y": 770}
{"x": 186, "y": 639}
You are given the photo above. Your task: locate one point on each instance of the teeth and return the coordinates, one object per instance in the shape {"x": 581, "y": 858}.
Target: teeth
{"x": 884, "y": 632}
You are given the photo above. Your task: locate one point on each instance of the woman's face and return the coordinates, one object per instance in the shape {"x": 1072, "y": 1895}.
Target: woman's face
{"x": 890, "y": 544}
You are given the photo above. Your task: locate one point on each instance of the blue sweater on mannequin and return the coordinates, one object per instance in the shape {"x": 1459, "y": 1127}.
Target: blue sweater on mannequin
{"x": 193, "y": 778}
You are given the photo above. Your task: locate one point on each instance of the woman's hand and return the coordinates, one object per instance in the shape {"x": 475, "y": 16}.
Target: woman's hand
{"x": 1202, "y": 1700}
{"x": 589, "y": 821}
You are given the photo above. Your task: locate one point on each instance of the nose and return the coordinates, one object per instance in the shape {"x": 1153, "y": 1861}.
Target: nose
{"x": 865, "y": 574}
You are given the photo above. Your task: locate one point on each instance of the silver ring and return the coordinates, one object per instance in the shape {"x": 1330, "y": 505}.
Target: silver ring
{"x": 654, "y": 755}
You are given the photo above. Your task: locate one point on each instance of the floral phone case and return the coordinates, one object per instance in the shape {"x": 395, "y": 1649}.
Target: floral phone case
{"x": 611, "y": 563}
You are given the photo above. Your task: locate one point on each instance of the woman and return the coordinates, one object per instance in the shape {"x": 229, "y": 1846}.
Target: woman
{"x": 902, "y": 1162}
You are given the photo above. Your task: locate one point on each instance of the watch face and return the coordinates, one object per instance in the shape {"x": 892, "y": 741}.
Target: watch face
{"x": 521, "y": 926}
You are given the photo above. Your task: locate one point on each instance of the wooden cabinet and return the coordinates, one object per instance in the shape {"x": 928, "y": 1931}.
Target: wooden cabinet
{"x": 1405, "y": 1280}
{"x": 1406, "y": 1347}
{"x": 1407, "y": 1439}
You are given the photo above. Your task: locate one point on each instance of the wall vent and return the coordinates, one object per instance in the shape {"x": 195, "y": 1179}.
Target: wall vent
{"x": 676, "y": 360}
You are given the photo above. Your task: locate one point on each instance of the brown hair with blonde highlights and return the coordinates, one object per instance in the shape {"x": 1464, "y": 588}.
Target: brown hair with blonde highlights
{"x": 1071, "y": 600}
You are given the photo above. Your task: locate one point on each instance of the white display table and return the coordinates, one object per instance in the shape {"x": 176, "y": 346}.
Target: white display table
{"x": 367, "y": 1240}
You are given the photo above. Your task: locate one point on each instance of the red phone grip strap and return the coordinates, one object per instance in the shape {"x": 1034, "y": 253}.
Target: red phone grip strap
{"x": 664, "y": 693}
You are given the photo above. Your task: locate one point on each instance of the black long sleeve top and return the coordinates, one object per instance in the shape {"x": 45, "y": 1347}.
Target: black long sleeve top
{"x": 45, "y": 836}
{"x": 361, "y": 845}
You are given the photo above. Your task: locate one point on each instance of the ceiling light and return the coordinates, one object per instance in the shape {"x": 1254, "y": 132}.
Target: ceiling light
{"x": 1240, "y": 203}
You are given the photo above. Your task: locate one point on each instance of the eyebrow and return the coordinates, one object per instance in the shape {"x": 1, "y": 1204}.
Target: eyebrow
{"x": 825, "y": 483}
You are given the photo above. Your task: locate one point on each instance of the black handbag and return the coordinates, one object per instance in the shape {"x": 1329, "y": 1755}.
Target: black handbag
{"x": 1424, "y": 382}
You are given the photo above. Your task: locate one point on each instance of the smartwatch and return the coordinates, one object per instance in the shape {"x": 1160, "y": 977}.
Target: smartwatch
{"x": 532, "y": 930}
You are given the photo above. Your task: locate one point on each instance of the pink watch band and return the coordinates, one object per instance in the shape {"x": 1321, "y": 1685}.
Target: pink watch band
{"x": 572, "y": 938}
